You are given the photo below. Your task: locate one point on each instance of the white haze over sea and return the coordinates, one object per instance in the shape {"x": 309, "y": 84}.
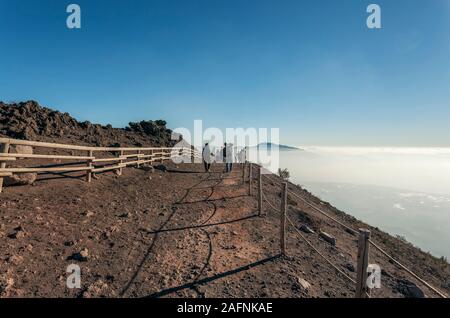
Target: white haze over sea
{"x": 403, "y": 191}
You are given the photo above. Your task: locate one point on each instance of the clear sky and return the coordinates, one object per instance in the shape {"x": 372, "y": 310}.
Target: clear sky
{"x": 311, "y": 68}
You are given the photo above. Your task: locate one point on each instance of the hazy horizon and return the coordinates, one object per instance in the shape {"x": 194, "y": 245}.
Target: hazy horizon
{"x": 403, "y": 191}
{"x": 425, "y": 169}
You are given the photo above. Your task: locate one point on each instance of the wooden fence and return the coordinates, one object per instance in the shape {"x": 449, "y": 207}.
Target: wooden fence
{"x": 364, "y": 241}
{"x": 87, "y": 158}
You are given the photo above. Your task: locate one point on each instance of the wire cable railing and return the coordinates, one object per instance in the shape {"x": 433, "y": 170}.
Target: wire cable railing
{"x": 318, "y": 252}
{"x": 348, "y": 228}
{"x": 407, "y": 270}
{"x": 307, "y": 241}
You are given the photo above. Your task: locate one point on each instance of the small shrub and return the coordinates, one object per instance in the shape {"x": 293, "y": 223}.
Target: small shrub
{"x": 284, "y": 174}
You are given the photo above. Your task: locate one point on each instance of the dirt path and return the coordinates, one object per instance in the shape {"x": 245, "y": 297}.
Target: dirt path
{"x": 183, "y": 233}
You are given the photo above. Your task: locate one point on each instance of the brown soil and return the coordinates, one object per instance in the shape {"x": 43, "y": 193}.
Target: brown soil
{"x": 183, "y": 233}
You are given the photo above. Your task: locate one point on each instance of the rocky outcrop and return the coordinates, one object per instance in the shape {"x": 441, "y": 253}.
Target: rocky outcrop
{"x": 28, "y": 120}
{"x": 20, "y": 179}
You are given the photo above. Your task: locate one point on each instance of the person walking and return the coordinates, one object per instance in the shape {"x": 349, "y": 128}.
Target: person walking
{"x": 224, "y": 156}
{"x": 219, "y": 157}
{"x": 228, "y": 157}
{"x": 242, "y": 155}
{"x": 207, "y": 157}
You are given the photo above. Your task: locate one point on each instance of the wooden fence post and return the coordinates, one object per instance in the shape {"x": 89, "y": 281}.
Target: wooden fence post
{"x": 250, "y": 177}
{"x": 260, "y": 188}
{"x": 283, "y": 218}
{"x": 151, "y": 157}
{"x": 4, "y": 149}
{"x": 120, "y": 162}
{"x": 138, "y": 159}
{"x": 89, "y": 164}
{"x": 363, "y": 262}
{"x": 244, "y": 166}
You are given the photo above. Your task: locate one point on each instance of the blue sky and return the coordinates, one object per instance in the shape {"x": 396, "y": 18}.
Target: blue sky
{"x": 311, "y": 68}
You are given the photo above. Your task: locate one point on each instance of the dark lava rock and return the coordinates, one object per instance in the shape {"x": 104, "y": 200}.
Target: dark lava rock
{"x": 82, "y": 256}
{"x": 162, "y": 168}
{"x": 30, "y": 121}
{"x": 350, "y": 267}
{"x": 408, "y": 289}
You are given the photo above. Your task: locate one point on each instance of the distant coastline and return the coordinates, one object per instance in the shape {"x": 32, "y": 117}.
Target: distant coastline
{"x": 269, "y": 145}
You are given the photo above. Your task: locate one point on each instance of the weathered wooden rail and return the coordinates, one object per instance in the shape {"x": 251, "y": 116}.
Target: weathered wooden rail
{"x": 125, "y": 156}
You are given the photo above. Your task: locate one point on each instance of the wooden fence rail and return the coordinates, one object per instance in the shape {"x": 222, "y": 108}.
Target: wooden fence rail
{"x": 143, "y": 155}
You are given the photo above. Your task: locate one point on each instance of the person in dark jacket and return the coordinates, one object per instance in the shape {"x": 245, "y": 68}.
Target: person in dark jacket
{"x": 228, "y": 157}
